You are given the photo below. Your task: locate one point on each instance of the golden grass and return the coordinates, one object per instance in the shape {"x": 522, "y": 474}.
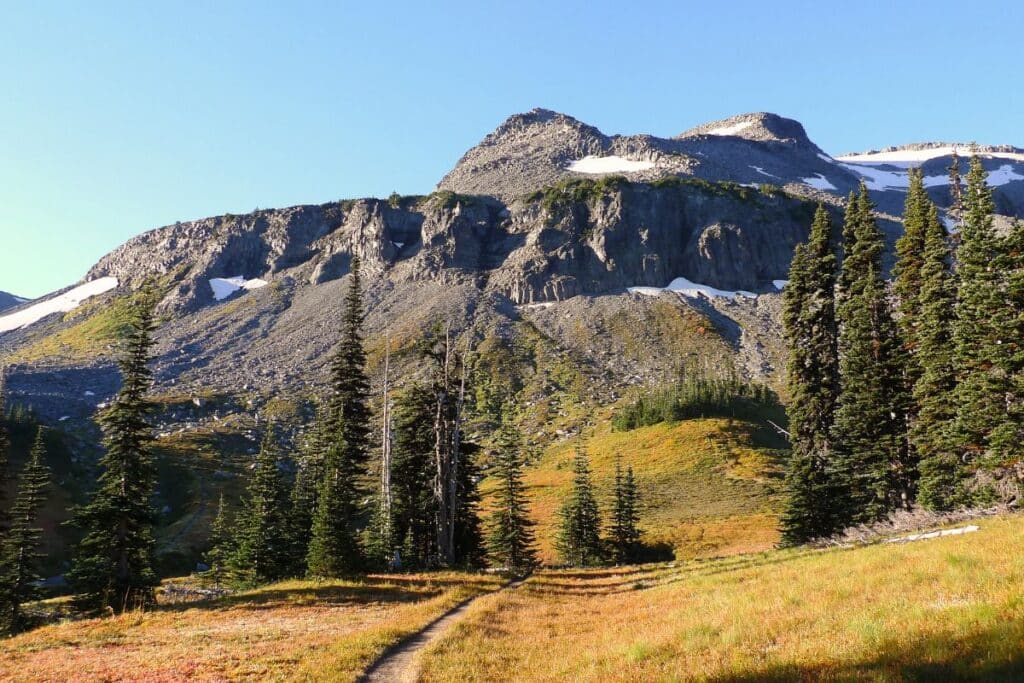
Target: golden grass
{"x": 296, "y": 630}
{"x": 706, "y": 488}
{"x": 941, "y": 609}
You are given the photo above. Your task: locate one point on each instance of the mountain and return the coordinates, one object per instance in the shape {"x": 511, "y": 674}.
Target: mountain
{"x": 10, "y": 301}
{"x": 579, "y": 266}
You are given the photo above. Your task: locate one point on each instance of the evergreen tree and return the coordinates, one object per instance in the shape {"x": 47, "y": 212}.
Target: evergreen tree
{"x": 809, "y": 321}
{"x": 869, "y": 429}
{"x": 222, "y": 546}
{"x": 303, "y": 498}
{"x": 113, "y": 564}
{"x": 333, "y": 548}
{"x": 910, "y": 249}
{"x": 511, "y": 537}
{"x": 412, "y": 473}
{"x": 261, "y": 554}
{"x": 579, "y": 538}
{"x": 982, "y": 385}
{"x": 955, "y": 188}
{"x": 5, "y": 446}
{"x": 940, "y": 485}
{"x": 624, "y": 533}
{"x": 21, "y": 549}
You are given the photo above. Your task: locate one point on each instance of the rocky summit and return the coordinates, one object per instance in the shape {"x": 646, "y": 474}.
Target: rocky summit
{"x": 575, "y": 264}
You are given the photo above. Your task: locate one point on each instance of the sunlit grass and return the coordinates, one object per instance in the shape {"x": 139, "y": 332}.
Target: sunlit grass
{"x": 941, "y": 609}
{"x": 707, "y": 486}
{"x": 296, "y": 630}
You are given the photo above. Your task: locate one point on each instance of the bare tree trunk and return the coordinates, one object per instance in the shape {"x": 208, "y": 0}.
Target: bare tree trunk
{"x": 385, "y": 464}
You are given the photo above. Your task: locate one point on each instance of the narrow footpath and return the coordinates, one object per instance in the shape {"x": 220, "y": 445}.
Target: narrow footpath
{"x": 400, "y": 663}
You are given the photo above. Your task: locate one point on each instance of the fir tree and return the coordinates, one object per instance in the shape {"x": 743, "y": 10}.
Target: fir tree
{"x": 412, "y": 471}
{"x": 869, "y": 429}
{"x": 510, "y": 537}
{"x": 579, "y": 536}
{"x": 809, "y": 321}
{"x": 940, "y": 485}
{"x": 333, "y": 547}
{"x": 5, "y": 446}
{"x": 113, "y": 563}
{"x": 982, "y": 385}
{"x": 21, "y": 549}
{"x": 261, "y": 554}
{"x": 221, "y": 546}
{"x": 624, "y": 533}
{"x": 910, "y": 248}
{"x": 955, "y": 187}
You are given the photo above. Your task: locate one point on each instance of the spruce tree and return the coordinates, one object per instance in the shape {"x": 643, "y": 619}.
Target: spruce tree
{"x": 333, "y": 547}
{"x": 221, "y": 546}
{"x": 411, "y": 475}
{"x": 5, "y": 446}
{"x": 955, "y": 187}
{"x": 510, "y": 529}
{"x": 869, "y": 429}
{"x": 624, "y": 536}
{"x": 113, "y": 563}
{"x": 982, "y": 385}
{"x": 261, "y": 554}
{"x": 907, "y": 278}
{"x": 940, "y": 485}
{"x": 579, "y": 536}
{"x": 21, "y": 554}
{"x": 811, "y": 334}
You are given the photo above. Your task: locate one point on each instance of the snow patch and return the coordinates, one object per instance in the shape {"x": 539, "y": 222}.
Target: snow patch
{"x": 691, "y": 289}
{"x": 820, "y": 182}
{"x": 89, "y": 393}
{"x": 68, "y": 301}
{"x": 825, "y": 157}
{"x": 223, "y": 287}
{"x": 764, "y": 172}
{"x": 729, "y": 130}
{"x": 936, "y": 534}
{"x": 611, "y": 164}
{"x": 780, "y": 284}
{"x": 1002, "y": 175}
{"x": 877, "y": 178}
{"x": 909, "y": 157}
{"x": 398, "y": 245}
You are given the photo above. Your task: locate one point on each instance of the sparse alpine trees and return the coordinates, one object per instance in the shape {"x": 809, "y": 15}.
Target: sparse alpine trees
{"x": 811, "y": 334}
{"x": 510, "y": 538}
{"x": 21, "y": 554}
{"x": 624, "y": 534}
{"x": 113, "y": 563}
{"x": 261, "y": 554}
{"x": 579, "y": 534}
{"x": 334, "y": 549}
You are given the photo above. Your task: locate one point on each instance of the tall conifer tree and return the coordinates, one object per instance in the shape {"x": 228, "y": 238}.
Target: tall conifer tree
{"x": 21, "y": 554}
{"x": 982, "y": 385}
{"x": 869, "y": 430}
{"x": 333, "y": 548}
{"x": 261, "y": 554}
{"x": 809, "y": 320}
{"x": 624, "y": 532}
{"x": 113, "y": 564}
{"x": 940, "y": 485}
{"x": 579, "y": 537}
{"x": 510, "y": 537}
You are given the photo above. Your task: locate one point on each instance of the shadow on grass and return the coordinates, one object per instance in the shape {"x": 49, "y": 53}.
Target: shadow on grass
{"x": 995, "y": 654}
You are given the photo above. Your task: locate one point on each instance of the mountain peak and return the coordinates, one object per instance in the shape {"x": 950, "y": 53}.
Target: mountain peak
{"x": 756, "y": 126}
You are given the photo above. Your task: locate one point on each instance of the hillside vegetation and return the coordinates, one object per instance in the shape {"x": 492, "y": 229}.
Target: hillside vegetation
{"x": 942, "y": 609}
{"x": 708, "y": 487}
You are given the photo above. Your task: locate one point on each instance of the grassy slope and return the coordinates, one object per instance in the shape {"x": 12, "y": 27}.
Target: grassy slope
{"x": 708, "y": 486}
{"x": 297, "y": 630}
{"x": 941, "y": 609}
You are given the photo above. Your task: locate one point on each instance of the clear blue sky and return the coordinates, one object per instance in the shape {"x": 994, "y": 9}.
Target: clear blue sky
{"x": 120, "y": 117}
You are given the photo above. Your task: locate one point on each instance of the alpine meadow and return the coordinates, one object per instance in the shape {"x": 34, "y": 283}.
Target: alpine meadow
{"x": 710, "y": 405}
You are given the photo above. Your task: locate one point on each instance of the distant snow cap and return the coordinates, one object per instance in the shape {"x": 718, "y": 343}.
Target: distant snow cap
{"x": 63, "y": 303}
{"x": 691, "y": 289}
{"x": 610, "y": 164}
{"x": 780, "y": 284}
{"x": 913, "y": 155}
{"x": 223, "y": 287}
